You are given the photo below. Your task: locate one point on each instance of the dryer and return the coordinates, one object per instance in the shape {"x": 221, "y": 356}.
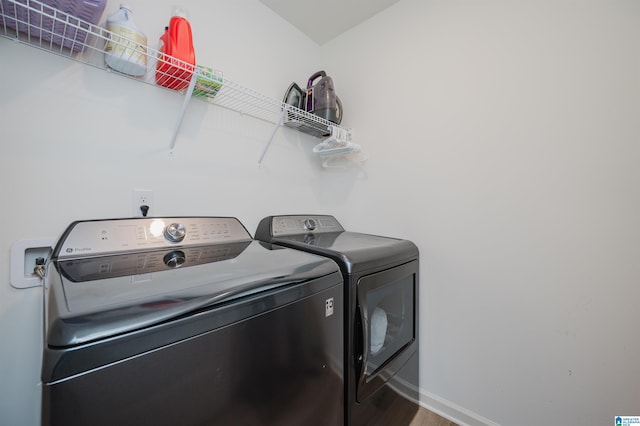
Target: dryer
{"x": 381, "y": 312}
{"x": 189, "y": 321}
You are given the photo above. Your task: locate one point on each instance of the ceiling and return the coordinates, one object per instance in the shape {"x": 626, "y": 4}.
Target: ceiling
{"x": 323, "y": 20}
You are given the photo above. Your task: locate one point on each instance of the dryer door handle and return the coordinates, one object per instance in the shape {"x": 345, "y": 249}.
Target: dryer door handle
{"x": 359, "y": 343}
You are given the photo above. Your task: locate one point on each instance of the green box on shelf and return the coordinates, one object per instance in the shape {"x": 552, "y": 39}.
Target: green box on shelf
{"x": 208, "y": 82}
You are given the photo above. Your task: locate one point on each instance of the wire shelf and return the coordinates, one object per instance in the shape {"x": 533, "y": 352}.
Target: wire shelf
{"x": 47, "y": 28}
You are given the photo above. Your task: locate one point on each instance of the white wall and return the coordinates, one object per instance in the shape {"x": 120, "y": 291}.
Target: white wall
{"x": 501, "y": 137}
{"x": 504, "y": 139}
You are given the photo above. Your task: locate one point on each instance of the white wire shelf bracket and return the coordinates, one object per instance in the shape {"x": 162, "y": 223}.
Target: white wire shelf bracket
{"x": 39, "y": 25}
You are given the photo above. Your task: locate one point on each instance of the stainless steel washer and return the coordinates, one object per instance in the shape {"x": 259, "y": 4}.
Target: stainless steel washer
{"x": 188, "y": 321}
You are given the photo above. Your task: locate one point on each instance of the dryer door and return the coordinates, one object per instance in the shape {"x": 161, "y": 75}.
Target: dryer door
{"x": 386, "y": 326}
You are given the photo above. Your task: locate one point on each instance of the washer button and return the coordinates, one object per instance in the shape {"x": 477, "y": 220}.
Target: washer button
{"x": 310, "y": 224}
{"x": 174, "y": 259}
{"x": 175, "y": 232}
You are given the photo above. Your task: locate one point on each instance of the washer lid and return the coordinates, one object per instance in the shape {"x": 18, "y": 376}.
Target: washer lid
{"x": 99, "y": 297}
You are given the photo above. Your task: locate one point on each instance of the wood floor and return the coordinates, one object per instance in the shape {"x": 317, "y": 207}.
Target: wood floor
{"x": 427, "y": 418}
{"x": 387, "y": 407}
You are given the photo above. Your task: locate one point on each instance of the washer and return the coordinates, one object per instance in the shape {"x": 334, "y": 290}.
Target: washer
{"x": 381, "y": 312}
{"x": 188, "y": 321}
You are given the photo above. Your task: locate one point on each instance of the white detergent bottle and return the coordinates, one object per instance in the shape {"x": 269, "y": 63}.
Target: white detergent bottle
{"x": 126, "y": 50}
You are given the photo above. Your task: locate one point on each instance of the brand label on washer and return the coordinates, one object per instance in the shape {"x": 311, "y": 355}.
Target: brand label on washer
{"x": 328, "y": 307}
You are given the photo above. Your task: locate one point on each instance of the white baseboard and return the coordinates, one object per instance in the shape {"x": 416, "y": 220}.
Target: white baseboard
{"x": 441, "y": 406}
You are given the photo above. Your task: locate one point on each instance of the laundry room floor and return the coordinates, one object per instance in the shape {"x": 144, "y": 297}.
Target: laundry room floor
{"x": 404, "y": 413}
{"x": 427, "y": 418}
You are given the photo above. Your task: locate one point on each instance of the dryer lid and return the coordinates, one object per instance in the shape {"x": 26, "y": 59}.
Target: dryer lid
{"x": 322, "y": 234}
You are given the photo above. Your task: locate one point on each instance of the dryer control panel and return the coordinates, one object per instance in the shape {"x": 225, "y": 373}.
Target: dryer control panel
{"x": 98, "y": 237}
{"x": 280, "y": 226}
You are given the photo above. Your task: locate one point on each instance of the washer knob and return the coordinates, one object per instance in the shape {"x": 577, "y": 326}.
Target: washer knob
{"x": 175, "y": 232}
{"x": 310, "y": 224}
{"x": 174, "y": 259}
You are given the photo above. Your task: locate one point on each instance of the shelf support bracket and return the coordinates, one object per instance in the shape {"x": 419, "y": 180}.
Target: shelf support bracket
{"x": 185, "y": 104}
{"x": 273, "y": 134}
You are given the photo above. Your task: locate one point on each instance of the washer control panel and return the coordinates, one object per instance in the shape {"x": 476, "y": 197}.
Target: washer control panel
{"x": 97, "y": 237}
{"x": 137, "y": 264}
{"x": 294, "y": 225}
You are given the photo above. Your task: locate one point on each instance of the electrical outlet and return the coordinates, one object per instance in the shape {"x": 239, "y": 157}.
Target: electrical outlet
{"x": 140, "y": 198}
